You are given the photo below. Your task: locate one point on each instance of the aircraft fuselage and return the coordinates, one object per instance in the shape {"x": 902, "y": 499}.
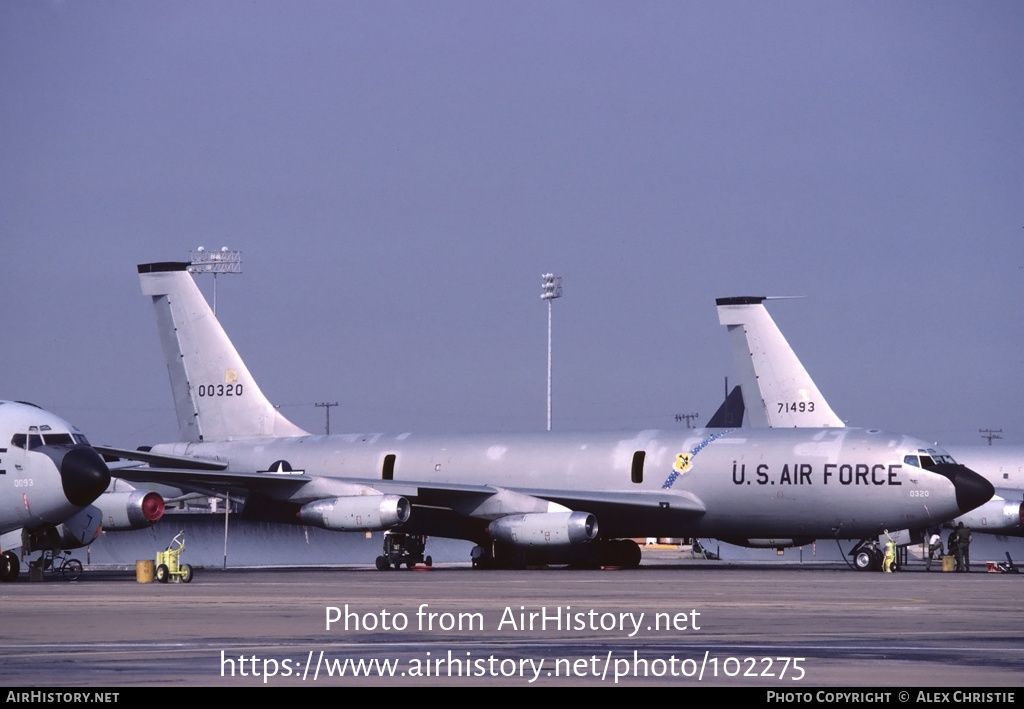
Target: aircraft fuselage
{"x": 47, "y": 472}
{"x": 732, "y": 484}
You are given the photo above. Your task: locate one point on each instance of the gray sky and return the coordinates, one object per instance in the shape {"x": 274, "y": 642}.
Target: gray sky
{"x": 398, "y": 176}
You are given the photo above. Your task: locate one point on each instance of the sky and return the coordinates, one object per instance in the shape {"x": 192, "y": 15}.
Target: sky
{"x": 399, "y": 175}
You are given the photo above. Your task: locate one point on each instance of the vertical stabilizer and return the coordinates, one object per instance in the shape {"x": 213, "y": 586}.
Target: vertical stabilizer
{"x": 777, "y": 390}
{"x": 215, "y": 397}
{"x": 730, "y": 413}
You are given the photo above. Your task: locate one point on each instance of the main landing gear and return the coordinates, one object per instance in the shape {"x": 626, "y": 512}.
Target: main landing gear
{"x": 403, "y": 549}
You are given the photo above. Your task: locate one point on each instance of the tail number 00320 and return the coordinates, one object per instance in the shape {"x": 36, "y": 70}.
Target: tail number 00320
{"x": 219, "y": 390}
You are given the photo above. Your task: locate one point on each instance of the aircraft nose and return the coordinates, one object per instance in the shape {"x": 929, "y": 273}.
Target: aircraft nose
{"x": 83, "y": 475}
{"x": 972, "y": 490}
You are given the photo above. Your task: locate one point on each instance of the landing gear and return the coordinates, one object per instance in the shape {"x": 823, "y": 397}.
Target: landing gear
{"x": 403, "y": 549}
{"x": 9, "y": 566}
{"x": 867, "y": 556}
{"x": 624, "y": 553}
{"x": 863, "y": 560}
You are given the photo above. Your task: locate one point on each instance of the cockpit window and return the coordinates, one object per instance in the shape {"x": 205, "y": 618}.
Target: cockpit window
{"x": 933, "y": 456}
{"x": 35, "y": 440}
{"x": 911, "y": 460}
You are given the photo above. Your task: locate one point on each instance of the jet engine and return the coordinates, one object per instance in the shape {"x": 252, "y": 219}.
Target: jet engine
{"x": 79, "y": 530}
{"x": 997, "y": 516}
{"x": 545, "y": 528}
{"x": 359, "y": 513}
{"x": 130, "y": 510}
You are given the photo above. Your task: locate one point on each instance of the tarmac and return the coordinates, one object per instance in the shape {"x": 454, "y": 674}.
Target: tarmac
{"x": 785, "y": 627}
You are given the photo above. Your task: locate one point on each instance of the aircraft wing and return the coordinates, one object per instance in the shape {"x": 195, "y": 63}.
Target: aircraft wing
{"x": 210, "y": 482}
{"x": 614, "y": 508}
{"x": 170, "y": 461}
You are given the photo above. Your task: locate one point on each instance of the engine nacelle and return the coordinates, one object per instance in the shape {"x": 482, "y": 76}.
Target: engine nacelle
{"x": 130, "y": 510}
{"x": 545, "y": 528}
{"x": 997, "y": 516}
{"x": 770, "y": 543}
{"x": 79, "y": 530}
{"x": 367, "y": 513}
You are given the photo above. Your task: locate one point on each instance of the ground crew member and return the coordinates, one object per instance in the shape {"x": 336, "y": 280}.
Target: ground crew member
{"x": 934, "y": 544}
{"x": 963, "y": 548}
{"x": 951, "y": 544}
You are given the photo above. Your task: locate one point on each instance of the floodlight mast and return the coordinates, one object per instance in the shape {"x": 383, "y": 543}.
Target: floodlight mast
{"x": 215, "y": 262}
{"x": 551, "y": 288}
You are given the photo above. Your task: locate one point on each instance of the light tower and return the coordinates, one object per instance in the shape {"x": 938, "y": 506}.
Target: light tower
{"x": 223, "y": 261}
{"x": 551, "y": 288}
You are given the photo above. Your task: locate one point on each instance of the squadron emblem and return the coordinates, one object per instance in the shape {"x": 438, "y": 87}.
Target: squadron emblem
{"x": 684, "y": 461}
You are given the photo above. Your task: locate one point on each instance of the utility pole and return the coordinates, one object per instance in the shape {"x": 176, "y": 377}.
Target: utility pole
{"x": 990, "y": 433}
{"x": 327, "y": 406}
{"x": 687, "y": 417}
{"x": 551, "y": 288}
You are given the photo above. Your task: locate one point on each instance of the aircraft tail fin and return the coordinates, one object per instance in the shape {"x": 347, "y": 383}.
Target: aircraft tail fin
{"x": 730, "y": 413}
{"x": 777, "y": 390}
{"x": 215, "y": 397}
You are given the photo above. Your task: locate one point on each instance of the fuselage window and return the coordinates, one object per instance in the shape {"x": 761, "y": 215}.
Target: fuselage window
{"x": 637, "y": 473}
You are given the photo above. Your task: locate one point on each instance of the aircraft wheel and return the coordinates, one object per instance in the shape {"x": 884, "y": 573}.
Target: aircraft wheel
{"x": 382, "y": 563}
{"x": 428, "y": 561}
{"x": 409, "y": 564}
{"x": 863, "y": 560}
{"x": 631, "y": 553}
{"x": 877, "y": 557}
{"x": 162, "y": 573}
{"x": 9, "y": 566}
{"x": 398, "y": 565}
{"x": 186, "y": 573}
{"x": 72, "y": 569}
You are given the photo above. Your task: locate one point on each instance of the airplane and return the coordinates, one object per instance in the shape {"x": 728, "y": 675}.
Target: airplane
{"x": 49, "y": 476}
{"x": 778, "y": 392}
{"x": 530, "y": 497}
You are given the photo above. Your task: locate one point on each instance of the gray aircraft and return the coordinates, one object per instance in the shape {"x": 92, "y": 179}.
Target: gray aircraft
{"x": 779, "y": 393}
{"x": 560, "y": 498}
{"x": 49, "y": 476}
